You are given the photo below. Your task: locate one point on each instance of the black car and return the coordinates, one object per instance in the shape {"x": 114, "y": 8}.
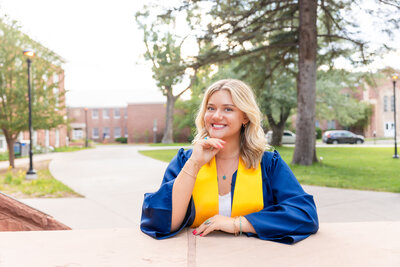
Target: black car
{"x": 342, "y": 137}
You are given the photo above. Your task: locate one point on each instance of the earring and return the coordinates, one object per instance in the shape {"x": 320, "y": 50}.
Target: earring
{"x": 244, "y": 125}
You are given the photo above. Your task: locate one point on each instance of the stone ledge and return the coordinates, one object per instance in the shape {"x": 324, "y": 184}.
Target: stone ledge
{"x": 336, "y": 244}
{"x": 17, "y": 216}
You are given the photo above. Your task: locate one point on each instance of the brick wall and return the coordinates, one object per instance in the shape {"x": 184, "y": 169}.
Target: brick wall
{"x": 141, "y": 119}
{"x": 16, "y": 216}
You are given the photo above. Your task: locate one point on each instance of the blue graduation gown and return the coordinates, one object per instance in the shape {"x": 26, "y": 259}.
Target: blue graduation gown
{"x": 289, "y": 214}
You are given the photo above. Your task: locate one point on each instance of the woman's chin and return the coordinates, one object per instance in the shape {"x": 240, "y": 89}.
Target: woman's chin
{"x": 217, "y": 135}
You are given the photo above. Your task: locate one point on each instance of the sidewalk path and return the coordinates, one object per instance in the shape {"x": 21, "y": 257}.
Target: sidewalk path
{"x": 113, "y": 180}
{"x": 22, "y": 162}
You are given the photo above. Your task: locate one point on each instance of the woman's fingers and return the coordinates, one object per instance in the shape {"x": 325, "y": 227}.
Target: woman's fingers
{"x": 206, "y": 227}
{"x": 199, "y": 230}
{"x": 213, "y": 142}
{"x": 208, "y": 230}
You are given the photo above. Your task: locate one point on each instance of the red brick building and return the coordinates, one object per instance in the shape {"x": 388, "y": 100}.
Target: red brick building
{"x": 137, "y": 122}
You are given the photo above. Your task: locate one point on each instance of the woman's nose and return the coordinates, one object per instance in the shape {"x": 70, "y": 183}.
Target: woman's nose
{"x": 217, "y": 115}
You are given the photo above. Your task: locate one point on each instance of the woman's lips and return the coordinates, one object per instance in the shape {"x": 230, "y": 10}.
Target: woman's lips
{"x": 218, "y": 126}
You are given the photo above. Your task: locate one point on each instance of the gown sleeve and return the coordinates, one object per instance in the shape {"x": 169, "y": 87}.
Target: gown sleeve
{"x": 157, "y": 206}
{"x": 289, "y": 213}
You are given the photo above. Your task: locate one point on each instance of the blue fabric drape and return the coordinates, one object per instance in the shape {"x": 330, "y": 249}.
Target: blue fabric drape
{"x": 289, "y": 214}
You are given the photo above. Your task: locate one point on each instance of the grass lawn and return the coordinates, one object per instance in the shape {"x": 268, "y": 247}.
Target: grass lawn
{"x": 173, "y": 144}
{"x": 13, "y": 182}
{"x": 3, "y": 156}
{"x": 69, "y": 148}
{"x": 363, "y": 168}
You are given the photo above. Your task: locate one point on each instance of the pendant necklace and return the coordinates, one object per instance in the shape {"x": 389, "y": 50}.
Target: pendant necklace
{"x": 224, "y": 173}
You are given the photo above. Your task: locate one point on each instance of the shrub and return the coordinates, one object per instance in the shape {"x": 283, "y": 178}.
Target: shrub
{"x": 122, "y": 140}
{"x": 319, "y": 132}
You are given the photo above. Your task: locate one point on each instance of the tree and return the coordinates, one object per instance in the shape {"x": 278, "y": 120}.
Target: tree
{"x": 46, "y": 100}
{"x": 239, "y": 28}
{"x": 274, "y": 85}
{"x": 164, "y": 50}
{"x": 335, "y": 101}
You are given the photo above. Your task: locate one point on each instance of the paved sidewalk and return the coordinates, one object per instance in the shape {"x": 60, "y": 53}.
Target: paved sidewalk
{"x": 113, "y": 180}
{"x": 22, "y": 162}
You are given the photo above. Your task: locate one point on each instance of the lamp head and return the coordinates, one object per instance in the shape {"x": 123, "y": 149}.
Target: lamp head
{"x": 395, "y": 76}
{"x": 29, "y": 53}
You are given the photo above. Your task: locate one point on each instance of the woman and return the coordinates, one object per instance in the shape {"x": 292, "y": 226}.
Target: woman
{"x": 228, "y": 182}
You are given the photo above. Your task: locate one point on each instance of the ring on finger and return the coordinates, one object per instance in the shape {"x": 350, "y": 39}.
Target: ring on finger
{"x": 207, "y": 222}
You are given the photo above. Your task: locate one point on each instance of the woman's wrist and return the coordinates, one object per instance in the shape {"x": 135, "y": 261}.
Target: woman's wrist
{"x": 238, "y": 225}
{"x": 194, "y": 165}
{"x": 191, "y": 168}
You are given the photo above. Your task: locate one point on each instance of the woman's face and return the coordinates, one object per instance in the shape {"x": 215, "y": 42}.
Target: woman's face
{"x": 222, "y": 118}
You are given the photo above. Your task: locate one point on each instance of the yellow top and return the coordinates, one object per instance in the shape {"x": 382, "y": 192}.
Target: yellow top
{"x": 247, "y": 197}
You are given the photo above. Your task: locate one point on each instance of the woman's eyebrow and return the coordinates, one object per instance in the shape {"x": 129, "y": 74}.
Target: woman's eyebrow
{"x": 228, "y": 105}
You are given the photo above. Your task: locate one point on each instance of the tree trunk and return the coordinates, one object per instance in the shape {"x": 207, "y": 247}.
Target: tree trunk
{"x": 278, "y": 128}
{"x": 304, "y": 152}
{"x": 10, "y": 146}
{"x": 168, "y": 136}
{"x": 277, "y": 133}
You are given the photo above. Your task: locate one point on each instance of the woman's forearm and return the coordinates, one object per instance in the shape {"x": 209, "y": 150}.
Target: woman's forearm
{"x": 182, "y": 191}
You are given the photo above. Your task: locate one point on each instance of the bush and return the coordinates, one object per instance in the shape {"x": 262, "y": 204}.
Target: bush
{"x": 122, "y": 140}
{"x": 319, "y": 132}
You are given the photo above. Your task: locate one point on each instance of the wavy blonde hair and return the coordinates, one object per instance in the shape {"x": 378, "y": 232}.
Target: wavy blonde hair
{"x": 252, "y": 137}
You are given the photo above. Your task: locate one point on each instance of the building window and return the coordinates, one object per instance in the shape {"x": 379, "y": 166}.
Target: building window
{"x": 116, "y": 113}
{"x": 77, "y": 134}
{"x": 385, "y": 103}
{"x": 95, "y": 114}
{"x": 106, "y": 132}
{"x": 126, "y": 132}
{"x": 332, "y": 124}
{"x": 56, "y": 95}
{"x": 317, "y": 123}
{"x": 95, "y": 133}
{"x": 117, "y": 132}
{"x": 392, "y": 104}
{"x": 57, "y": 144}
{"x": 106, "y": 113}
{"x": 125, "y": 113}
{"x": 55, "y": 78}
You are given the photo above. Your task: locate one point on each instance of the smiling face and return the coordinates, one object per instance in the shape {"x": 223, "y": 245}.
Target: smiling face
{"x": 222, "y": 118}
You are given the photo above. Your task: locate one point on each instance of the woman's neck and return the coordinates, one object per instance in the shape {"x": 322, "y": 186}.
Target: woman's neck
{"x": 231, "y": 149}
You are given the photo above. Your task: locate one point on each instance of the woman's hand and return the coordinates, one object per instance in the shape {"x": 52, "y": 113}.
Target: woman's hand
{"x": 217, "y": 222}
{"x": 205, "y": 149}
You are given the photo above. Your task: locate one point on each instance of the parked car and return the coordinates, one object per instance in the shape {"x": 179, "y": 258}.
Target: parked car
{"x": 288, "y": 137}
{"x": 342, "y": 137}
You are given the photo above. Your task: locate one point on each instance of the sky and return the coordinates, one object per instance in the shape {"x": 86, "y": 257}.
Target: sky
{"x": 102, "y": 47}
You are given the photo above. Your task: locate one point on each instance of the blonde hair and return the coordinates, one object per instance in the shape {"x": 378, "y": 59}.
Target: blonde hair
{"x": 252, "y": 137}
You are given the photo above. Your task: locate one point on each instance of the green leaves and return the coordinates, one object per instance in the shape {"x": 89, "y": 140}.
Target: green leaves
{"x": 46, "y": 98}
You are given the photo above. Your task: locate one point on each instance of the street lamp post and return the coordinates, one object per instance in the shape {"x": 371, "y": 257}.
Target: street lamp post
{"x": 87, "y": 130}
{"x": 394, "y": 79}
{"x": 31, "y": 173}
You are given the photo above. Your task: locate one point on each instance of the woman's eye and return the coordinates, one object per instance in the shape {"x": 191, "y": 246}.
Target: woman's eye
{"x": 228, "y": 109}
{"x": 210, "y": 108}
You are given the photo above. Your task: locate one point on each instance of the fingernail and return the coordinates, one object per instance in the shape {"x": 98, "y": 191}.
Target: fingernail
{"x": 201, "y": 235}
{"x": 194, "y": 232}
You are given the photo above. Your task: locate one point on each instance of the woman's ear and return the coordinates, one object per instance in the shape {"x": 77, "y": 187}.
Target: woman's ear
{"x": 245, "y": 120}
